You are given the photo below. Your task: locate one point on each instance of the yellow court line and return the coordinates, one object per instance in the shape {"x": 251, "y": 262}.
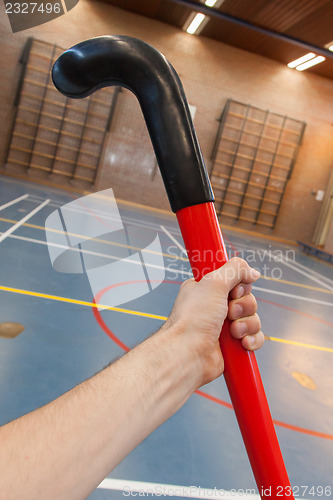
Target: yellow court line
{"x": 300, "y": 344}
{"x": 185, "y": 259}
{"x": 252, "y": 233}
{"x": 133, "y": 204}
{"x": 138, "y": 313}
{"x": 80, "y": 302}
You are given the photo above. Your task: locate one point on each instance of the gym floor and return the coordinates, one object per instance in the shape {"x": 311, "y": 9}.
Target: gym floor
{"x": 64, "y": 342}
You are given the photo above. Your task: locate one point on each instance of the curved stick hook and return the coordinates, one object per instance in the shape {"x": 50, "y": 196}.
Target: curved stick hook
{"x": 132, "y": 63}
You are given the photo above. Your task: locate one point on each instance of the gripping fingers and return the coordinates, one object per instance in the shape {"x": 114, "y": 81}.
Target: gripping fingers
{"x": 245, "y": 326}
{"x": 253, "y": 342}
{"x": 248, "y": 329}
{"x": 240, "y": 290}
{"x": 245, "y": 322}
{"x": 242, "y": 307}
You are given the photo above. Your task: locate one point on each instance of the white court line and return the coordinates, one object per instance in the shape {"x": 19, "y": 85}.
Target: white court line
{"x": 287, "y": 263}
{"x": 22, "y": 221}
{"x": 306, "y": 268}
{"x": 173, "y": 240}
{"x": 81, "y": 209}
{"x": 101, "y": 213}
{"x": 273, "y": 291}
{"x": 298, "y": 297}
{"x": 97, "y": 254}
{"x": 311, "y": 271}
{"x": 188, "y": 273}
{"x": 12, "y": 202}
{"x": 172, "y": 490}
{"x": 300, "y": 271}
{"x": 159, "y": 267}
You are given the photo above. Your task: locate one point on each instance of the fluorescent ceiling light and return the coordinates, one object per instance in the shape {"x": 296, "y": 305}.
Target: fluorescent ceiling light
{"x": 310, "y": 63}
{"x": 301, "y": 60}
{"x": 329, "y": 46}
{"x": 195, "y": 23}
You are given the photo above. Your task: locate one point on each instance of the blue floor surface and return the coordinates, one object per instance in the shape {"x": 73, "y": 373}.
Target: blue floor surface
{"x": 62, "y": 345}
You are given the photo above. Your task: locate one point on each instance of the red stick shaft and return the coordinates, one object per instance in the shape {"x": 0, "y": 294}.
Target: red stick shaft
{"x": 206, "y": 251}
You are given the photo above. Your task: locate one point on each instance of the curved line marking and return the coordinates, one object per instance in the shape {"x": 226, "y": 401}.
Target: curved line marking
{"x": 276, "y": 422}
{"x": 219, "y": 401}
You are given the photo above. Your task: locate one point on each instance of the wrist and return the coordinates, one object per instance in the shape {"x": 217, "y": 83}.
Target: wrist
{"x": 183, "y": 352}
{"x": 193, "y": 352}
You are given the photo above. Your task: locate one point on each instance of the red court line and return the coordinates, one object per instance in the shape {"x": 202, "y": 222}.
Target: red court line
{"x": 276, "y": 422}
{"x": 219, "y": 401}
{"x": 107, "y": 330}
{"x": 100, "y": 320}
{"x": 214, "y": 399}
{"x": 304, "y": 431}
{"x": 232, "y": 246}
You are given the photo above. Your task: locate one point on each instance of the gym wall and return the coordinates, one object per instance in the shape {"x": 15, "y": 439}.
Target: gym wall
{"x": 211, "y": 73}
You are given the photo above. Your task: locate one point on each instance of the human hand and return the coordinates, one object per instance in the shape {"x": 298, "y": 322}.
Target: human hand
{"x": 202, "y": 307}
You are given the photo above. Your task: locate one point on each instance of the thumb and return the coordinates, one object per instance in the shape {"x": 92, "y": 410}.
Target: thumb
{"x": 225, "y": 278}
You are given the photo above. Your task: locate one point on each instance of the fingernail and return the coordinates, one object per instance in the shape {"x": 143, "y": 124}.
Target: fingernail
{"x": 240, "y": 292}
{"x": 238, "y": 310}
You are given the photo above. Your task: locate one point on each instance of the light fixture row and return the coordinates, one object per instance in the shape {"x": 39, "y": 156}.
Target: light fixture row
{"x": 306, "y": 61}
{"x": 302, "y": 63}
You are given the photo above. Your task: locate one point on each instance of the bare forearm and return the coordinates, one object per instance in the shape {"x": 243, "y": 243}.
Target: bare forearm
{"x": 66, "y": 448}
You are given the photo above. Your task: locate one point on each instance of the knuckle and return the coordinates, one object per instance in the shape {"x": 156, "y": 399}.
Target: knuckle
{"x": 239, "y": 262}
